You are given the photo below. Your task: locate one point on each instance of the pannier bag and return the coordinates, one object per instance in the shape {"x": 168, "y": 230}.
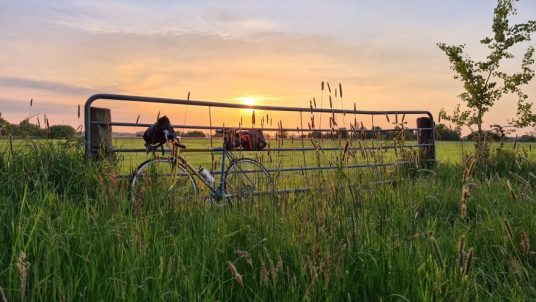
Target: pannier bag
{"x": 248, "y": 140}
{"x": 155, "y": 135}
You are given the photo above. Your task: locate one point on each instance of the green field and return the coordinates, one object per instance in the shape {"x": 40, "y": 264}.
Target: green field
{"x": 447, "y": 152}
{"x": 69, "y": 232}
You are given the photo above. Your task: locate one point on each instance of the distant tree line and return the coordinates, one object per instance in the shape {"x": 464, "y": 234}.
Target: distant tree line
{"x": 364, "y": 133}
{"x": 25, "y": 129}
{"x": 444, "y": 133}
{"x": 194, "y": 134}
{"x": 531, "y": 137}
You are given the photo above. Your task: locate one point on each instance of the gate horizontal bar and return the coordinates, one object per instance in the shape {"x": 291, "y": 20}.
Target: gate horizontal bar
{"x": 265, "y": 129}
{"x": 129, "y": 98}
{"x": 199, "y": 150}
{"x": 311, "y": 168}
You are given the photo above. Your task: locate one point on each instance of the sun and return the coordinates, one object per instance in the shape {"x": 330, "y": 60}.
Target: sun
{"x": 250, "y": 101}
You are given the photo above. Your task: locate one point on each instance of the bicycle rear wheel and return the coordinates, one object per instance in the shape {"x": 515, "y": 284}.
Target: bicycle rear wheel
{"x": 248, "y": 180}
{"x": 162, "y": 178}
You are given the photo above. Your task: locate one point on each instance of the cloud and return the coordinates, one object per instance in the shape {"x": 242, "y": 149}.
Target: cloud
{"x": 66, "y": 51}
{"x": 19, "y": 106}
{"x": 49, "y": 86}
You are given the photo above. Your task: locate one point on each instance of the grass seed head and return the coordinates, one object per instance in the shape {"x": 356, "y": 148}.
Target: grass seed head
{"x": 234, "y": 273}
{"x": 22, "y": 266}
{"x": 345, "y": 154}
{"x": 461, "y": 250}
{"x": 469, "y": 169}
{"x": 463, "y": 202}
{"x": 468, "y": 262}
{"x": 246, "y": 256}
{"x": 463, "y": 211}
{"x": 524, "y": 245}
{"x": 263, "y": 273}
{"x": 511, "y": 190}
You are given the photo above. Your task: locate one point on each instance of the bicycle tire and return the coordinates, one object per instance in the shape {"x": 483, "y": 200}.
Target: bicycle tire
{"x": 247, "y": 179}
{"x": 152, "y": 175}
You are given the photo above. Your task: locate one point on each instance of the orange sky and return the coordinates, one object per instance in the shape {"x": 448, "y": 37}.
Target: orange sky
{"x": 383, "y": 53}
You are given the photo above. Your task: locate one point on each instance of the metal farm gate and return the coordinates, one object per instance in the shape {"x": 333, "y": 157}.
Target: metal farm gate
{"x": 294, "y": 139}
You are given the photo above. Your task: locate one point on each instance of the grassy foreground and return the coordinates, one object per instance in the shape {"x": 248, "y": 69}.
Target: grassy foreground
{"x": 68, "y": 232}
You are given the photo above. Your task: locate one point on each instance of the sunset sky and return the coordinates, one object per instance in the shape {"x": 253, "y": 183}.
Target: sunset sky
{"x": 383, "y": 52}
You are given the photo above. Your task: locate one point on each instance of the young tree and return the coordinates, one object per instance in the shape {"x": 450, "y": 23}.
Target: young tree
{"x": 485, "y": 82}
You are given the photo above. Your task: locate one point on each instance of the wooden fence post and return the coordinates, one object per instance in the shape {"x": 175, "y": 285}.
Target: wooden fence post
{"x": 426, "y": 136}
{"x": 101, "y": 135}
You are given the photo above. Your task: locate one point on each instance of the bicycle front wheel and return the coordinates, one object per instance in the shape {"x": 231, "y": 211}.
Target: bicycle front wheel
{"x": 162, "y": 178}
{"x": 248, "y": 180}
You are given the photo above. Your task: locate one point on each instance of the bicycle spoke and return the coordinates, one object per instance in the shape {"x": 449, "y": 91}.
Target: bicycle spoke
{"x": 159, "y": 178}
{"x": 246, "y": 178}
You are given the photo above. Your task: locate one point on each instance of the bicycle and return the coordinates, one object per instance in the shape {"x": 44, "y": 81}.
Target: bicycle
{"x": 244, "y": 178}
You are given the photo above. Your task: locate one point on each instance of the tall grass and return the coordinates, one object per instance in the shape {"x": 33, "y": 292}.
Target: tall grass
{"x": 68, "y": 232}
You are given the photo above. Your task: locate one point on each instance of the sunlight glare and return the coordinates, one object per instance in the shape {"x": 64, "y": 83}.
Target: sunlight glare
{"x": 250, "y": 101}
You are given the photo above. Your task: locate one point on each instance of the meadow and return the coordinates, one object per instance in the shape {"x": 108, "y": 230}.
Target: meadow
{"x": 456, "y": 231}
{"x": 198, "y": 155}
